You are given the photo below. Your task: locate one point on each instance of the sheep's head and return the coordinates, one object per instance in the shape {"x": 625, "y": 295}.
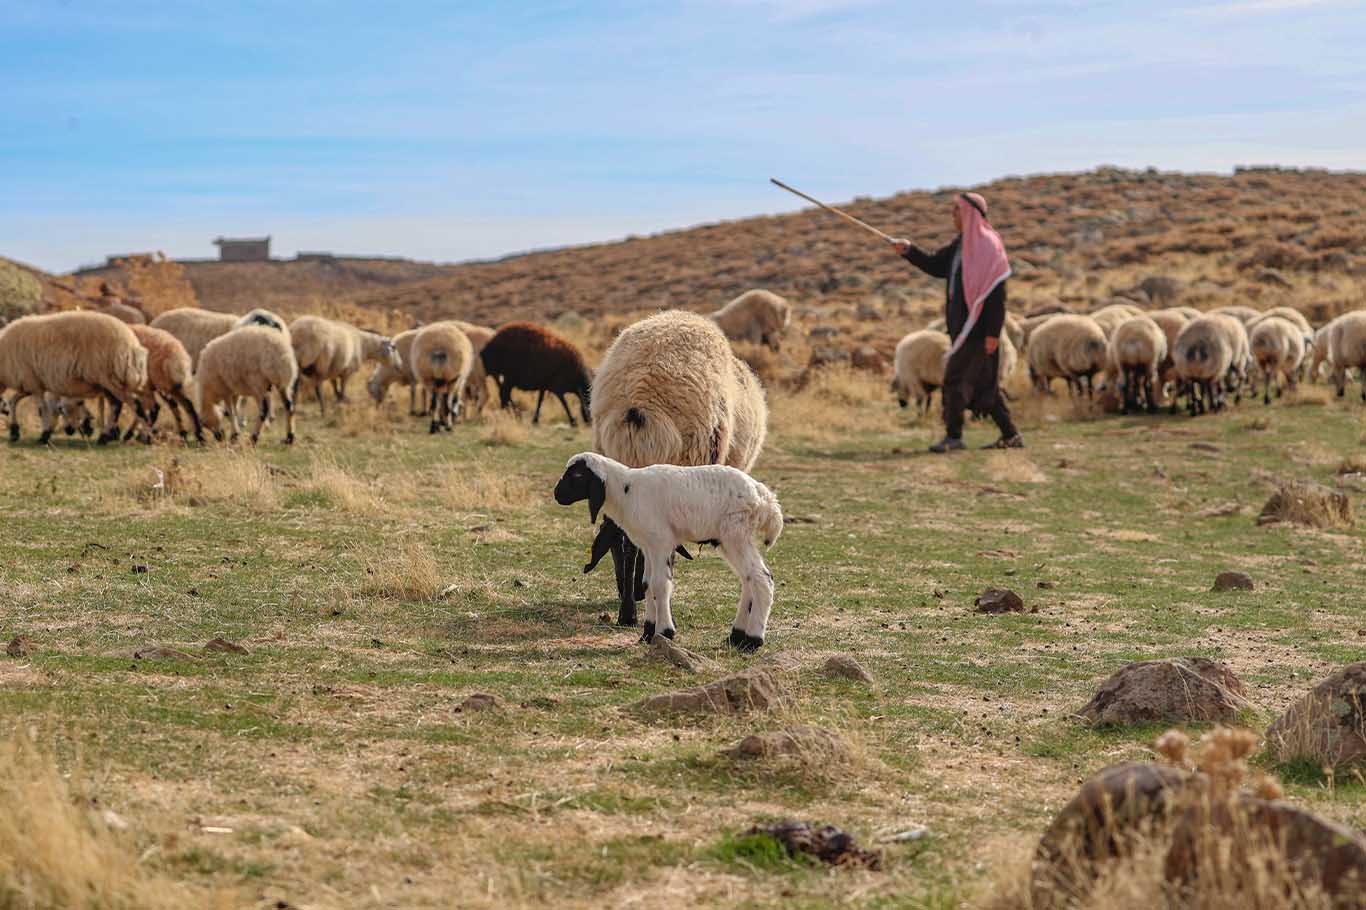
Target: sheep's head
{"x": 580, "y": 482}
{"x": 389, "y": 353}
{"x": 377, "y": 386}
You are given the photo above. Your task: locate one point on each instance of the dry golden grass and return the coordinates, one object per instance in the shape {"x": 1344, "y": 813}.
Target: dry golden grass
{"x": 503, "y": 428}
{"x": 59, "y": 851}
{"x": 834, "y": 401}
{"x": 406, "y": 571}
{"x": 342, "y": 488}
{"x": 239, "y": 475}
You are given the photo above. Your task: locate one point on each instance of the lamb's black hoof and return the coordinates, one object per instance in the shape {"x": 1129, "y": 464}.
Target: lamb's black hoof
{"x": 649, "y": 634}
{"x": 289, "y": 440}
{"x": 669, "y": 633}
{"x": 69, "y": 430}
{"x": 737, "y": 638}
{"x": 106, "y": 438}
{"x": 434, "y": 428}
{"x": 751, "y": 644}
{"x": 626, "y": 617}
{"x": 42, "y": 440}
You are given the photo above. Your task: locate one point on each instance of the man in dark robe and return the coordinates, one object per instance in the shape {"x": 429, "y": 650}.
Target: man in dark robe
{"x": 975, "y": 267}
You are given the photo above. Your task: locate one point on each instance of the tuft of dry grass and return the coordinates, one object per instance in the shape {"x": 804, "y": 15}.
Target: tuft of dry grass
{"x": 57, "y": 851}
{"x": 834, "y": 400}
{"x": 341, "y": 488}
{"x": 503, "y": 428}
{"x": 408, "y": 572}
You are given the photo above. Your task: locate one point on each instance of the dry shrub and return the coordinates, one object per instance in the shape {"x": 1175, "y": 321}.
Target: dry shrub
{"x": 1309, "y": 504}
{"x": 56, "y": 852}
{"x": 1013, "y": 467}
{"x": 408, "y": 572}
{"x": 1273, "y": 255}
{"x": 233, "y": 475}
{"x": 834, "y": 400}
{"x": 465, "y": 487}
{"x": 155, "y": 283}
{"x": 503, "y": 428}
{"x": 340, "y": 487}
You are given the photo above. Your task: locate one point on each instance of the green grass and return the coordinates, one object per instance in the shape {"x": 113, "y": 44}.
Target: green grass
{"x": 341, "y": 720}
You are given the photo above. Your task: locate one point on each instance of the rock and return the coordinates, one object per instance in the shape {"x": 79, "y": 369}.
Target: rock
{"x": 826, "y": 843}
{"x": 823, "y": 331}
{"x": 843, "y": 666}
{"x": 1161, "y": 289}
{"x": 156, "y": 652}
{"x": 867, "y": 312}
{"x": 1101, "y": 824}
{"x": 806, "y": 742}
{"x": 867, "y": 357}
{"x": 999, "y": 600}
{"x": 1233, "y": 581}
{"x": 19, "y": 646}
{"x": 479, "y": 701}
{"x": 1327, "y": 726}
{"x": 1245, "y": 838}
{"x": 1204, "y": 447}
{"x": 824, "y": 357}
{"x": 755, "y": 689}
{"x": 664, "y": 649}
{"x": 1272, "y": 277}
{"x": 222, "y": 645}
{"x": 1176, "y": 689}
{"x": 1310, "y": 504}
{"x": 1047, "y": 585}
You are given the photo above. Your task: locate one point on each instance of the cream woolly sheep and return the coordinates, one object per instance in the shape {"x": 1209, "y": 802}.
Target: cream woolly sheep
{"x": 918, "y": 367}
{"x": 1189, "y": 312}
{"x": 1070, "y": 347}
{"x": 1207, "y": 356}
{"x": 169, "y": 375}
{"x": 386, "y": 374}
{"x": 671, "y": 391}
{"x": 77, "y": 355}
{"x": 442, "y": 358}
{"x": 1111, "y": 317}
{"x": 661, "y": 506}
{"x": 757, "y": 316}
{"x": 1289, "y": 314}
{"x": 1138, "y": 348}
{"x": 1013, "y": 329}
{"x": 266, "y": 318}
{"x": 1347, "y": 349}
{"x": 328, "y": 350}
{"x": 195, "y": 328}
{"x": 1243, "y": 314}
{"x": 247, "y": 362}
{"x": 1027, "y": 327}
{"x": 1277, "y": 348}
{"x": 1321, "y": 353}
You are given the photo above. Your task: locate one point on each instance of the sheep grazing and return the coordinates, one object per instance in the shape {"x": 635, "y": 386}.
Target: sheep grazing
{"x": 1210, "y": 353}
{"x": 476, "y": 393}
{"x": 1138, "y": 349}
{"x": 918, "y": 368}
{"x": 442, "y": 358}
{"x": 1277, "y": 347}
{"x": 1069, "y": 347}
{"x": 1243, "y": 314}
{"x": 266, "y": 318}
{"x": 386, "y": 374}
{"x": 195, "y": 328}
{"x": 1321, "y": 353}
{"x": 661, "y": 506}
{"x": 169, "y": 375}
{"x": 248, "y": 362}
{"x": 72, "y": 355}
{"x": 671, "y": 391}
{"x": 1109, "y": 318}
{"x": 1289, "y": 314}
{"x": 1346, "y": 349}
{"x": 122, "y": 312}
{"x": 756, "y": 316}
{"x": 1014, "y": 330}
{"x": 524, "y": 355}
{"x": 330, "y": 351}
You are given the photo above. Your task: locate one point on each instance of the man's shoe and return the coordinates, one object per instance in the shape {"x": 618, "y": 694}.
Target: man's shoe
{"x": 947, "y": 444}
{"x": 1014, "y": 442}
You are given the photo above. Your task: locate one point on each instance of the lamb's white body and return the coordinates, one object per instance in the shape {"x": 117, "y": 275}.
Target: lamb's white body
{"x": 662, "y": 506}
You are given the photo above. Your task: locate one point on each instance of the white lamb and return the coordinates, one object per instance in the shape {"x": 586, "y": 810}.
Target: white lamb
{"x": 661, "y": 506}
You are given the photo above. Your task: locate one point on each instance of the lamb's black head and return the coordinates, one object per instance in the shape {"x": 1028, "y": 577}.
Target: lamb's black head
{"x": 580, "y": 482}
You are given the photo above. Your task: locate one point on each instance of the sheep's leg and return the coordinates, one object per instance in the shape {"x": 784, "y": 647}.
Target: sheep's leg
{"x": 536, "y": 417}
{"x": 756, "y": 593}
{"x": 412, "y": 400}
{"x": 14, "y": 414}
{"x": 626, "y": 568}
{"x": 175, "y": 415}
{"x": 318, "y": 393}
{"x": 111, "y": 424}
{"x": 47, "y": 408}
{"x": 564, "y": 404}
{"x": 339, "y": 388}
{"x": 452, "y": 408}
{"x": 651, "y": 605}
{"x": 288, "y": 401}
{"x": 661, "y": 590}
{"x": 194, "y": 415}
{"x": 262, "y": 417}
{"x": 232, "y": 418}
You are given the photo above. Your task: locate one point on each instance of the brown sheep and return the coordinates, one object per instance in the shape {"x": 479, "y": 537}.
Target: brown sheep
{"x": 524, "y": 355}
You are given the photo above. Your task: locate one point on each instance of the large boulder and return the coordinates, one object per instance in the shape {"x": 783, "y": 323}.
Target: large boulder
{"x": 1103, "y": 823}
{"x": 1176, "y": 689}
{"x": 1326, "y": 727}
{"x": 755, "y": 689}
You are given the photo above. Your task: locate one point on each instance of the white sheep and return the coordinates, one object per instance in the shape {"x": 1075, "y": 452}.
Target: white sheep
{"x": 1243, "y": 314}
{"x": 660, "y": 507}
{"x": 1277, "y": 347}
{"x": 1210, "y": 357}
{"x": 1347, "y": 349}
{"x": 1321, "y": 354}
{"x": 331, "y": 351}
{"x": 247, "y": 362}
{"x": 1138, "y": 349}
{"x": 1110, "y": 317}
{"x": 757, "y": 316}
{"x": 442, "y": 359}
{"x": 74, "y": 355}
{"x": 671, "y": 391}
{"x": 386, "y": 374}
{"x": 195, "y": 328}
{"x": 1070, "y": 347}
{"x": 169, "y": 375}
{"x": 918, "y": 367}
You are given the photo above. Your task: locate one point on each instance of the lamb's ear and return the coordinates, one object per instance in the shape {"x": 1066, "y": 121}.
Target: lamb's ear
{"x": 597, "y": 494}
{"x": 683, "y": 551}
{"x": 602, "y": 544}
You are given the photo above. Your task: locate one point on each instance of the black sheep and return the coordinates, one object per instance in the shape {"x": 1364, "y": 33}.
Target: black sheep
{"x": 524, "y": 355}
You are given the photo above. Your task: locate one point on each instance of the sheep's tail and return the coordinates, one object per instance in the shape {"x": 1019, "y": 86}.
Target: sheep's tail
{"x": 130, "y": 369}
{"x": 770, "y": 516}
{"x": 639, "y": 437}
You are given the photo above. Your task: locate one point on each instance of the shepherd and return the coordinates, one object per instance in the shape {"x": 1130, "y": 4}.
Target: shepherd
{"x": 976, "y": 268}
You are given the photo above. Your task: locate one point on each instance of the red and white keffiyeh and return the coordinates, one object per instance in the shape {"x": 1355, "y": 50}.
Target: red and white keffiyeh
{"x": 982, "y": 258}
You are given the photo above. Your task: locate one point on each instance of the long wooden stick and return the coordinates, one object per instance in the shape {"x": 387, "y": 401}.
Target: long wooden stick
{"x": 830, "y": 208}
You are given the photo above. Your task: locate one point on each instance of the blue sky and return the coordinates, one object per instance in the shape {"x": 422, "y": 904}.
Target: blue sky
{"x": 455, "y": 130}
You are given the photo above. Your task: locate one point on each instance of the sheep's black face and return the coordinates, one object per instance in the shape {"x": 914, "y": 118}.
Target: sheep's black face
{"x": 579, "y": 483}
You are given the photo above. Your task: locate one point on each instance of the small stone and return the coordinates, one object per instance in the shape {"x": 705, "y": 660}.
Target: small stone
{"x": 1047, "y": 585}
{"x": 479, "y": 701}
{"x": 139, "y": 569}
{"x": 664, "y": 649}
{"x": 843, "y": 666}
{"x": 1233, "y": 581}
{"x": 19, "y": 646}
{"x": 999, "y": 600}
{"x": 753, "y": 689}
{"x": 224, "y": 646}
